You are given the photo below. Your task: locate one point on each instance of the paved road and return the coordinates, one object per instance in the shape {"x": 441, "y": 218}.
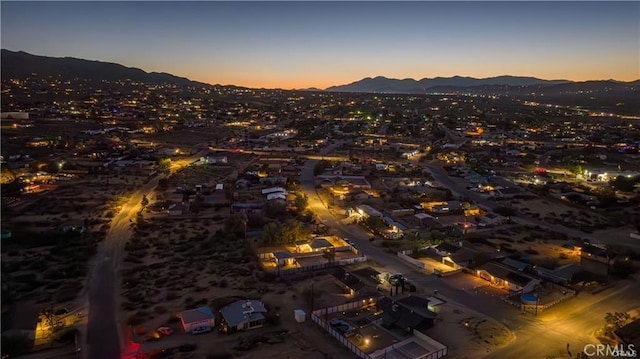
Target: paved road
{"x": 104, "y": 338}
{"x": 573, "y": 322}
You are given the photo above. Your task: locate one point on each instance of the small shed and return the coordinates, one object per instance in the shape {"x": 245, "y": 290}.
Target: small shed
{"x": 300, "y": 315}
{"x": 199, "y": 317}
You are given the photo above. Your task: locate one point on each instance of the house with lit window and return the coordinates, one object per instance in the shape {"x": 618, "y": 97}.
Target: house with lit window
{"x": 506, "y": 277}
{"x": 242, "y": 315}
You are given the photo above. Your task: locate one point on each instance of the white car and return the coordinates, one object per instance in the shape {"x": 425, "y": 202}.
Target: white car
{"x": 200, "y": 330}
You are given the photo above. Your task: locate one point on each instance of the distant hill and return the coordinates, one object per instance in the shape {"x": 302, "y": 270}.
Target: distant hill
{"x": 386, "y": 85}
{"x": 22, "y": 65}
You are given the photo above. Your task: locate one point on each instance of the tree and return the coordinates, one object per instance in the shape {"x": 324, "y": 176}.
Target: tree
{"x": 615, "y": 321}
{"x": 329, "y": 255}
{"x": 373, "y": 222}
{"x": 301, "y": 202}
{"x": 271, "y": 233}
{"x": 164, "y": 164}
{"x": 625, "y": 184}
{"x": 236, "y": 224}
{"x": 292, "y": 231}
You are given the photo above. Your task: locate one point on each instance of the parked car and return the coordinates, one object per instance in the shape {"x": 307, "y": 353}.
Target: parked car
{"x": 200, "y": 330}
{"x": 164, "y": 330}
{"x": 395, "y": 278}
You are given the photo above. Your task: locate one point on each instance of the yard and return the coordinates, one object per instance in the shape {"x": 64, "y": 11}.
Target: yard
{"x": 177, "y": 264}
{"x": 40, "y": 261}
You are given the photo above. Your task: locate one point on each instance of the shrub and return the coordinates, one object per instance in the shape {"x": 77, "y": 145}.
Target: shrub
{"x": 135, "y": 319}
{"x": 184, "y": 348}
{"x": 160, "y": 309}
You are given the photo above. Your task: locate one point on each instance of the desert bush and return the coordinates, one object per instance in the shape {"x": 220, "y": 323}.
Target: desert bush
{"x": 184, "y": 348}
{"x": 160, "y": 309}
{"x": 135, "y": 319}
{"x": 172, "y": 296}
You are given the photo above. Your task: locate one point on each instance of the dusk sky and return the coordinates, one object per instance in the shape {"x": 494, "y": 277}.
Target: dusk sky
{"x": 320, "y": 44}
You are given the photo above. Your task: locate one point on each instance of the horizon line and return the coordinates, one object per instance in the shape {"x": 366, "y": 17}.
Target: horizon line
{"x": 320, "y": 88}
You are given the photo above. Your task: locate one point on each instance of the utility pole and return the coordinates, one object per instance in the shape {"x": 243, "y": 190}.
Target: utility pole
{"x": 537, "y": 297}
{"x": 312, "y": 294}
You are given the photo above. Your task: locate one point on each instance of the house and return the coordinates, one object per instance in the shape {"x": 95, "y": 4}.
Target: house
{"x": 276, "y": 196}
{"x": 177, "y": 209}
{"x": 407, "y": 314}
{"x": 595, "y": 259}
{"x": 196, "y": 318}
{"x": 320, "y": 244}
{"x": 395, "y": 226}
{"x": 271, "y": 190}
{"x": 242, "y": 315}
{"x": 506, "y": 277}
{"x": 507, "y": 192}
{"x": 453, "y": 255}
{"x": 359, "y": 196}
{"x": 450, "y": 207}
{"x": 430, "y": 222}
{"x": 562, "y": 275}
{"x": 215, "y": 160}
{"x": 367, "y": 211}
{"x": 283, "y": 259}
{"x": 273, "y": 180}
{"x": 347, "y": 281}
{"x": 515, "y": 264}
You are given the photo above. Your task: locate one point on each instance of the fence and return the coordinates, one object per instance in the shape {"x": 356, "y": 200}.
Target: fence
{"x": 442, "y": 273}
{"x": 316, "y": 317}
{"x": 404, "y": 255}
{"x": 541, "y": 307}
{"x": 315, "y": 267}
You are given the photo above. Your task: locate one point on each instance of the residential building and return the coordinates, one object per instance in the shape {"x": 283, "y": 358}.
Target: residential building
{"x": 242, "y": 315}
{"x": 196, "y": 318}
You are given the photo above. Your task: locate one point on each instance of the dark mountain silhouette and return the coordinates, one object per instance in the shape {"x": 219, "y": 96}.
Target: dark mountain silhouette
{"x": 383, "y": 84}
{"x": 607, "y": 94}
{"x": 21, "y": 65}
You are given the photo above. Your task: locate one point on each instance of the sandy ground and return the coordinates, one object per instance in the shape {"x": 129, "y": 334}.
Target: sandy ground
{"x": 468, "y": 334}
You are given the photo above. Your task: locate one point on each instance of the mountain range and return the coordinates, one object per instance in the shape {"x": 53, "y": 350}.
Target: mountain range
{"x": 382, "y": 84}
{"x": 21, "y": 65}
